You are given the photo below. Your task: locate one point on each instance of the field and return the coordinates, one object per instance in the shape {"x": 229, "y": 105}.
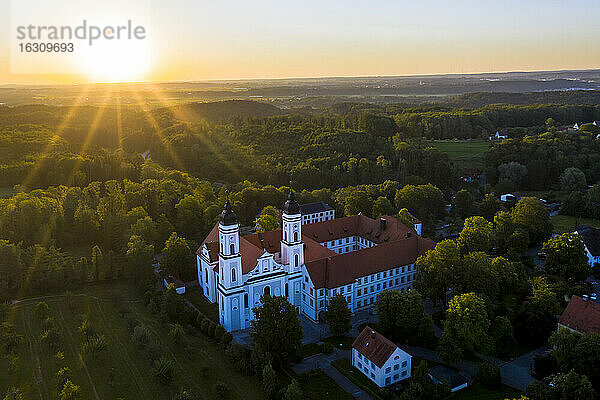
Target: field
{"x": 121, "y": 370}
{"x": 465, "y": 153}
{"x": 567, "y": 223}
{"x": 6, "y": 192}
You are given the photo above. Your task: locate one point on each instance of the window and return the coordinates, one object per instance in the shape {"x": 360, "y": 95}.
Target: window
{"x": 372, "y": 375}
{"x": 388, "y": 370}
{"x": 232, "y": 248}
{"x": 358, "y": 303}
{"x": 233, "y": 275}
{"x": 342, "y": 289}
{"x": 379, "y": 286}
{"x": 384, "y": 285}
{"x": 396, "y": 367}
{"x": 388, "y": 380}
{"x": 295, "y": 237}
{"x": 320, "y": 292}
{"x": 403, "y": 373}
{"x": 358, "y": 292}
{"x": 396, "y": 377}
{"x": 296, "y": 260}
{"x": 267, "y": 290}
{"x": 286, "y": 290}
{"x": 385, "y": 274}
{"x": 321, "y": 303}
{"x": 359, "y": 364}
{"x": 403, "y": 364}
{"x": 245, "y": 300}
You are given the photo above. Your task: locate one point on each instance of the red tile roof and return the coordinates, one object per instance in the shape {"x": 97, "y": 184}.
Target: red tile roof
{"x": 342, "y": 269}
{"x": 358, "y": 225}
{"x": 373, "y": 345}
{"x": 582, "y": 316}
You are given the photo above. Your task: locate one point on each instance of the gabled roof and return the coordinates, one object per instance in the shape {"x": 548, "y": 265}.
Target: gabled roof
{"x": 342, "y": 269}
{"x": 581, "y": 315}
{"x": 374, "y": 346}
{"x": 591, "y": 239}
{"x": 312, "y": 208}
{"x": 358, "y": 225}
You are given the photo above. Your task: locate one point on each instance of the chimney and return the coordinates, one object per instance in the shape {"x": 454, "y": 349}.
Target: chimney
{"x": 382, "y": 224}
{"x": 373, "y": 334}
{"x": 408, "y": 234}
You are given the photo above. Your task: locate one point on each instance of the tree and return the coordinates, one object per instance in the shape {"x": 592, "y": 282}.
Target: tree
{"x": 513, "y": 171}
{"x": 177, "y": 334}
{"x": 268, "y": 220}
{"x": 424, "y": 201}
{"x": 189, "y": 215}
{"x": 14, "y": 393}
{"x": 338, "y": 315}
{"x": 139, "y": 258}
{"x": 572, "y": 386}
{"x": 476, "y": 235}
{"x": 536, "y": 317}
{"x": 382, "y": 206}
{"x": 146, "y": 229}
{"x": 573, "y": 179}
{"x": 488, "y": 375}
{"x": 565, "y": 257}
{"x": 402, "y": 316}
{"x": 406, "y": 218}
{"x": 475, "y": 274}
{"x": 276, "y": 329}
{"x": 269, "y": 381}
{"x": 177, "y": 258}
{"x": 489, "y": 206}
{"x": 531, "y": 214}
{"x": 465, "y": 328}
{"x": 434, "y": 270}
{"x": 293, "y": 391}
{"x": 70, "y": 391}
{"x": 463, "y": 203}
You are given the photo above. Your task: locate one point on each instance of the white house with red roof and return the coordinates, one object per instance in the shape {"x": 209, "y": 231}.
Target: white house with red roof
{"x": 356, "y": 256}
{"x": 379, "y": 359}
{"x": 581, "y": 315}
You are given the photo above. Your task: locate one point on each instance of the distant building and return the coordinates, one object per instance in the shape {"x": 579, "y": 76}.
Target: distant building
{"x": 581, "y": 315}
{"x": 499, "y": 136}
{"x": 510, "y": 197}
{"x": 379, "y": 359}
{"x": 444, "y": 374}
{"x": 591, "y": 241}
{"x": 316, "y": 212}
{"x": 177, "y": 283}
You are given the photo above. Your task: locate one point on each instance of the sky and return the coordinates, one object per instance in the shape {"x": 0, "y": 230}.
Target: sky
{"x": 227, "y": 39}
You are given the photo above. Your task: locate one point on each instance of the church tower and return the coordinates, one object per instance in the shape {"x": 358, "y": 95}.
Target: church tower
{"x": 292, "y": 248}
{"x": 230, "y": 270}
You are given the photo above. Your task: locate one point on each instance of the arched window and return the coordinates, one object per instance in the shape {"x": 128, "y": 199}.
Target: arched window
{"x": 206, "y": 274}
{"x": 296, "y": 260}
{"x": 232, "y": 248}
{"x": 295, "y": 237}
{"x": 285, "y": 235}
{"x": 267, "y": 290}
{"x": 233, "y": 276}
{"x": 245, "y": 300}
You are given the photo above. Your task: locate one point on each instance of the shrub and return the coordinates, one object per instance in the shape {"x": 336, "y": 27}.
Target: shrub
{"x": 42, "y": 310}
{"x": 544, "y": 365}
{"x": 163, "y": 369}
{"x": 206, "y": 324}
{"x": 327, "y": 348}
{"x": 227, "y": 338}
{"x": 153, "y": 352}
{"x": 219, "y": 332}
{"x": 184, "y": 394}
{"x": 488, "y": 375}
{"x": 50, "y": 338}
{"x": 141, "y": 335}
{"x": 177, "y": 334}
{"x": 220, "y": 390}
{"x": 95, "y": 345}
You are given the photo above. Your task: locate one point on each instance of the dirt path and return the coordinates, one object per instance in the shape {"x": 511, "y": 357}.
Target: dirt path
{"x": 37, "y": 371}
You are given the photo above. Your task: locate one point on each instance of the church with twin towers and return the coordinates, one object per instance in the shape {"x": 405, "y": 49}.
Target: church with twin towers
{"x": 356, "y": 256}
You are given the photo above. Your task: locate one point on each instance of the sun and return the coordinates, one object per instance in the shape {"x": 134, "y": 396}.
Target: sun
{"x": 115, "y": 61}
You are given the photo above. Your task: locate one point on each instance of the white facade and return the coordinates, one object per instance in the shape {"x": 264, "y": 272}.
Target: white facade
{"x": 360, "y": 294}
{"x": 396, "y": 368}
{"x": 319, "y": 213}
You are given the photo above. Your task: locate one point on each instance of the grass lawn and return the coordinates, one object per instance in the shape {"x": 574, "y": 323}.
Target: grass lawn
{"x": 478, "y": 392}
{"x": 121, "y": 370}
{"x": 309, "y": 350}
{"x": 465, "y": 153}
{"x": 210, "y": 310}
{"x": 6, "y": 192}
{"x": 567, "y": 223}
{"x": 340, "y": 342}
{"x": 359, "y": 379}
{"x": 316, "y": 385}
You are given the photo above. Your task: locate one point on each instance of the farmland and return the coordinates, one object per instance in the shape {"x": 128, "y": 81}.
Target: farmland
{"x": 465, "y": 153}
{"x": 121, "y": 369}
